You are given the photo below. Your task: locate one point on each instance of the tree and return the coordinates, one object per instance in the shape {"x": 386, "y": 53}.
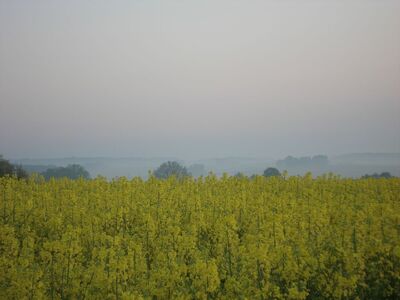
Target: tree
{"x": 377, "y": 176}
{"x": 271, "y": 172}
{"x": 171, "y": 168}
{"x": 7, "y": 168}
{"x": 71, "y": 171}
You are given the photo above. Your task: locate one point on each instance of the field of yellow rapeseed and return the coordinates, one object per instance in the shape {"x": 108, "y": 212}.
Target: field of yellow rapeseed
{"x": 206, "y": 238}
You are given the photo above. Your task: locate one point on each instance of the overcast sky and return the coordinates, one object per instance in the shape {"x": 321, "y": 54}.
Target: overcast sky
{"x": 196, "y": 79}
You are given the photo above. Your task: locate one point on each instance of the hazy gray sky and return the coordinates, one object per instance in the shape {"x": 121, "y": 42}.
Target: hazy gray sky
{"x": 197, "y": 79}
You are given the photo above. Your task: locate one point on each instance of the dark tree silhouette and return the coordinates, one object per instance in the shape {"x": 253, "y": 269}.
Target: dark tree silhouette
{"x": 7, "y": 168}
{"x": 271, "y": 172}
{"x": 71, "y": 171}
{"x": 171, "y": 168}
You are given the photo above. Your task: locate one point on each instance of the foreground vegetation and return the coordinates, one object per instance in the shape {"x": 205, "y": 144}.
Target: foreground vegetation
{"x": 228, "y": 238}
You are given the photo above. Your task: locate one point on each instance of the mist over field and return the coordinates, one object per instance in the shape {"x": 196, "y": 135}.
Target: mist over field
{"x": 197, "y": 80}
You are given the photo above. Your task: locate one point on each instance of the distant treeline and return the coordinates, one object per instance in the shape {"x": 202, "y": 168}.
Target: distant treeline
{"x": 302, "y": 165}
{"x": 377, "y": 176}
{"x": 73, "y": 171}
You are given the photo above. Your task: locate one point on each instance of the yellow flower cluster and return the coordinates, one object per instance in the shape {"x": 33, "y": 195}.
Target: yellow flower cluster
{"x": 206, "y": 238}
